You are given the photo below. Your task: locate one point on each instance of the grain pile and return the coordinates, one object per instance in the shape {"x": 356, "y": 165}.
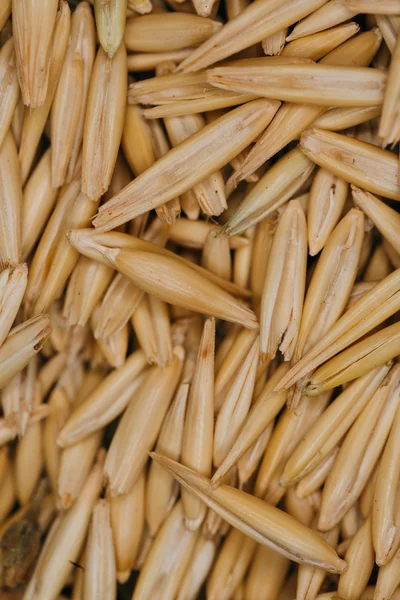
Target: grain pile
{"x": 199, "y": 299}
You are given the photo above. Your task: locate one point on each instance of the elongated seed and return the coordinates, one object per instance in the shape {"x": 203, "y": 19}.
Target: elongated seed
{"x": 292, "y": 119}
{"x": 103, "y": 121}
{"x": 9, "y": 88}
{"x": 223, "y": 139}
{"x": 35, "y": 118}
{"x": 258, "y": 520}
{"x": 355, "y": 161}
{"x": 259, "y": 20}
{"x": 110, "y": 23}
{"x": 69, "y": 104}
{"x": 34, "y": 51}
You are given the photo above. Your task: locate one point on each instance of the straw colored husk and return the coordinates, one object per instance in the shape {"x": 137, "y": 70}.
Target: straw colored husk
{"x": 127, "y": 522}
{"x": 389, "y": 7}
{"x": 22, "y": 343}
{"x": 231, "y": 565}
{"x": 35, "y": 118}
{"x": 103, "y": 121}
{"x": 365, "y": 440}
{"x": 330, "y": 14}
{"x": 259, "y": 20}
{"x": 69, "y": 104}
{"x": 9, "y": 88}
{"x": 324, "y": 85}
{"x": 167, "y": 559}
{"x": 153, "y": 274}
{"x": 316, "y": 45}
{"x": 161, "y": 489}
{"x": 110, "y": 23}
{"x": 292, "y": 119}
{"x": 10, "y": 203}
{"x": 88, "y": 242}
{"x": 197, "y": 441}
{"x": 64, "y": 542}
{"x": 374, "y": 307}
{"x": 140, "y": 425}
{"x": 357, "y": 162}
{"x": 258, "y": 520}
{"x": 168, "y": 31}
{"x": 33, "y": 52}
{"x": 99, "y": 578}
{"x": 211, "y": 148}
{"x": 331, "y": 426}
{"x": 283, "y": 292}
{"x": 104, "y": 403}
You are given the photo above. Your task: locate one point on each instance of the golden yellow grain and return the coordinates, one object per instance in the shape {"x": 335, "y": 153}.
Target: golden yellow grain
{"x": 12, "y": 288}
{"x": 289, "y": 430}
{"x": 389, "y": 125}
{"x": 316, "y": 478}
{"x": 292, "y": 119}
{"x": 258, "y": 20}
{"x": 100, "y": 572}
{"x": 197, "y": 571}
{"x": 104, "y": 403}
{"x": 265, "y": 409}
{"x": 335, "y": 270}
{"x": 235, "y": 407}
{"x": 389, "y": 7}
{"x": 69, "y": 104}
{"x": 309, "y": 579}
{"x": 197, "y": 441}
{"x": 87, "y": 242}
{"x": 110, "y": 23}
{"x": 365, "y": 441}
{"x": 148, "y": 61}
{"x": 388, "y": 579}
{"x": 104, "y": 121}
{"x": 140, "y": 425}
{"x": 21, "y": 344}
{"x": 385, "y": 531}
{"x": 328, "y": 195}
{"x": 38, "y": 202}
{"x": 167, "y": 560}
{"x": 378, "y": 266}
{"x": 5, "y": 11}
{"x": 357, "y": 162}
{"x": 337, "y": 119}
{"x": 33, "y": 51}
{"x": 331, "y": 426}
{"x": 209, "y": 193}
{"x": 230, "y": 566}
{"x": 330, "y": 14}
{"x": 283, "y": 292}
{"x": 208, "y": 150}
{"x": 167, "y": 32}
{"x": 258, "y": 520}
{"x": 267, "y": 571}
{"x": 9, "y": 88}
{"x": 356, "y": 360}
{"x": 177, "y": 283}
{"x": 65, "y": 540}
{"x": 279, "y": 184}
{"x": 35, "y": 119}
{"x": 10, "y": 203}
{"x": 317, "y": 45}
{"x": 324, "y": 85}
{"x": 161, "y": 489}
{"x": 127, "y": 522}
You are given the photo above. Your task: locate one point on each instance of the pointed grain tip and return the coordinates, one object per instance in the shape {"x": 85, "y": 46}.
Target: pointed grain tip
{"x": 215, "y": 481}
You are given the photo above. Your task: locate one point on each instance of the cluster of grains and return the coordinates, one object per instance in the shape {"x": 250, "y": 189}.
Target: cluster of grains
{"x": 199, "y": 299}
